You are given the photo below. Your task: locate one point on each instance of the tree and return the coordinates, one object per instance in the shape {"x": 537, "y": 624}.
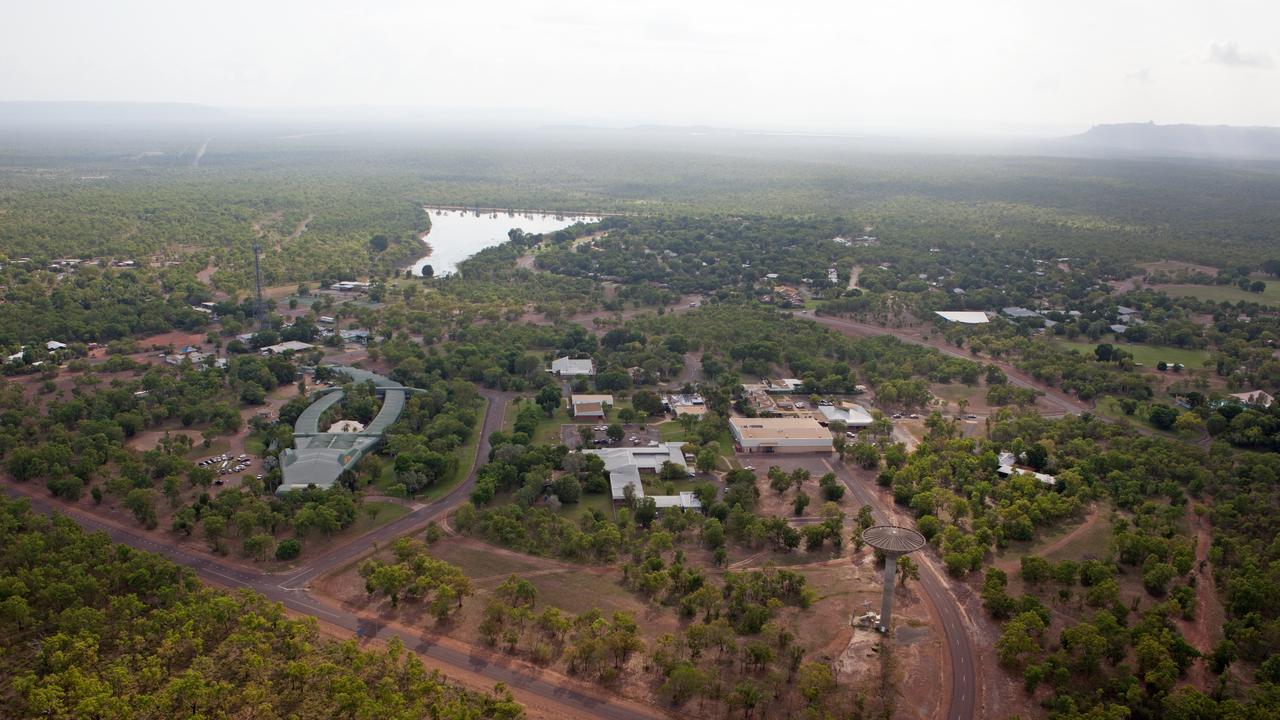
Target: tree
{"x": 1035, "y": 570}
{"x": 647, "y": 402}
{"x": 142, "y": 503}
{"x": 800, "y": 503}
{"x": 815, "y": 681}
{"x": 567, "y": 489}
{"x": 1189, "y": 425}
{"x": 258, "y": 546}
{"x": 705, "y": 460}
{"x": 586, "y": 435}
{"x": 779, "y": 480}
{"x": 683, "y": 682}
{"x": 746, "y": 696}
{"x": 1162, "y": 416}
{"x": 1020, "y": 637}
{"x": 907, "y": 569}
{"x": 549, "y": 398}
{"x": 646, "y": 511}
{"x": 288, "y": 549}
{"x": 517, "y": 592}
{"x": 215, "y": 528}
{"x": 615, "y": 432}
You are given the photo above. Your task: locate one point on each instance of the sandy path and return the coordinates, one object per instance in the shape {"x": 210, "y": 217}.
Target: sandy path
{"x": 1205, "y": 629}
{"x": 855, "y": 272}
{"x": 302, "y": 227}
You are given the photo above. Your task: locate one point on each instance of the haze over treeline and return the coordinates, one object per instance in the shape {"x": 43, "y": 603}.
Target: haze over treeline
{"x": 113, "y": 122}
{"x": 931, "y": 68}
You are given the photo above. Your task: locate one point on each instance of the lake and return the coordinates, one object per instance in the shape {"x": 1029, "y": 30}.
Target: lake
{"x": 456, "y": 235}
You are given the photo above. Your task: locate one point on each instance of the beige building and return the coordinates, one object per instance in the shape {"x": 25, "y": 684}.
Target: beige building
{"x": 780, "y": 435}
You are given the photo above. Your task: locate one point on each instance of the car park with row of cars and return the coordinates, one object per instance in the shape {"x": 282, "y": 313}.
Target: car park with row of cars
{"x": 226, "y": 465}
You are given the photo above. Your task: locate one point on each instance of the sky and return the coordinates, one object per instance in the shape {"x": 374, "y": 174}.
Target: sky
{"x": 984, "y": 67}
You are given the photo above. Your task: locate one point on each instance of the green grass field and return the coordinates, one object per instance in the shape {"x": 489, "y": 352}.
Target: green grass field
{"x": 1148, "y": 355}
{"x": 671, "y": 431}
{"x": 466, "y": 459}
{"x": 1224, "y": 293}
{"x": 1108, "y": 407}
{"x": 374, "y": 514}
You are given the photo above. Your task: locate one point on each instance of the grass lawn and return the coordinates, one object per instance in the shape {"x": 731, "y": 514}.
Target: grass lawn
{"x": 1148, "y": 355}
{"x": 654, "y": 486}
{"x": 1225, "y": 293}
{"x": 548, "y": 431}
{"x": 479, "y": 563}
{"x": 578, "y": 592}
{"x": 217, "y": 446}
{"x": 1110, "y": 407}
{"x": 1093, "y": 542}
{"x": 671, "y": 431}
{"x": 254, "y": 446}
{"x": 374, "y": 514}
{"x": 587, "y": 503}
{"x": 466, "y": 459}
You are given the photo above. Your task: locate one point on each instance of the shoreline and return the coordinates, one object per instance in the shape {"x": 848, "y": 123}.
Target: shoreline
{"x": 526, "y": 211}
{"x": 422, "y": 238}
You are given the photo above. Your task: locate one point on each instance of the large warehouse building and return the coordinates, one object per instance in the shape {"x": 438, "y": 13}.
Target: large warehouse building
{"x": 780, "y": 435}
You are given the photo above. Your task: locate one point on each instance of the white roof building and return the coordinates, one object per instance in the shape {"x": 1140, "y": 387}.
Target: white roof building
{"x": 1008, "y": 466}
{"x": 625, "y": 463}
{"x": 964, "y": 317}
{"x": 54, "y": 345}
{"x": 286, "y": 346}
{"x": 1254, "y": 397}
{"x": 572, "y": 366}
{"x": 851, "y": 414}
{"x": 685, "y": 501}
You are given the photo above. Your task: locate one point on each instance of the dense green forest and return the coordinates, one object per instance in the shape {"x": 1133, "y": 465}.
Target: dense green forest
{"x": 132, "y": 195}
{"x": 104, "y": 631}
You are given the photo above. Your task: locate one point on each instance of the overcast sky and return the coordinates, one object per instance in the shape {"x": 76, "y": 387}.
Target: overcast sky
{"x": 984, "y": 66}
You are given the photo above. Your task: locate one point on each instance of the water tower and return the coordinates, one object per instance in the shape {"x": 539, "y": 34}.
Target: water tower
{"x": 894, "y": 542}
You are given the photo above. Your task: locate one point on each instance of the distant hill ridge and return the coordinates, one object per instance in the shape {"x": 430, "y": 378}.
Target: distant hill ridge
{"x": 106, "y": 113}
{"x": 1226, "y": 141}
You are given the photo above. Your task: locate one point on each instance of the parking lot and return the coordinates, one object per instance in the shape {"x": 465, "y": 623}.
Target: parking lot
{"x": 228, "y": 469}
{"x": 632, "y": 435}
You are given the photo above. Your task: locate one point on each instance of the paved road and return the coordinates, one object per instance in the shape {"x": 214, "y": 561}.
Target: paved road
{"x": 964, "y": 690}
{"x": 291, "y": 590}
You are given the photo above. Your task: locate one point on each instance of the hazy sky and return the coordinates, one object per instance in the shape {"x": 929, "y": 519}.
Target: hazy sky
{"x": 946, "y": 66}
